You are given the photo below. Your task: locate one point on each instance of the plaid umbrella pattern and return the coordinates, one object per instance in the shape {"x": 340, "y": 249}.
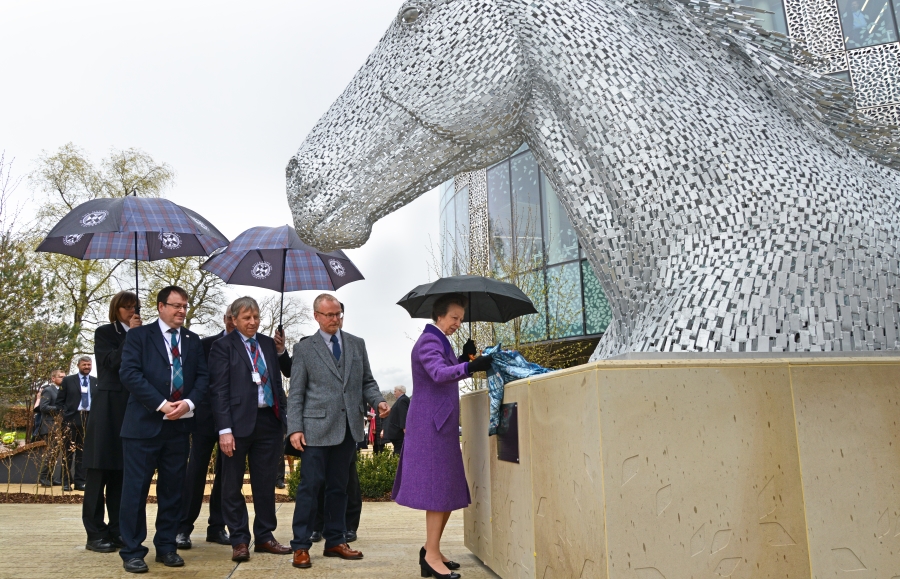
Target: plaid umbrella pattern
{"x": 108, "y": 228}
{"x": 276, "y": 258}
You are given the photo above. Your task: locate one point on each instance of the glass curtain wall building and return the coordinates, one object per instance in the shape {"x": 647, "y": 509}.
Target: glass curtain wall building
{"x": 507, "y": 220}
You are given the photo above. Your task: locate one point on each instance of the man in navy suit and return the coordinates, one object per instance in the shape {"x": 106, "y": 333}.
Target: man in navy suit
{"x": 249, "y": 407}
{"x": 164, "y": 368}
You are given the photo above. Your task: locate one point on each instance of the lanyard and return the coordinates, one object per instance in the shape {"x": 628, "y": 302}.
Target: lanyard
{"x": 254, "y": 359}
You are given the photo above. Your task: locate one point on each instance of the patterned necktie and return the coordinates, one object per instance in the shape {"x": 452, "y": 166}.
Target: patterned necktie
{"x": 177, "y": 374}
{"x": 336, "y": 348}
{"x": 85, "y": 399}
{"x": 263, "y": 375}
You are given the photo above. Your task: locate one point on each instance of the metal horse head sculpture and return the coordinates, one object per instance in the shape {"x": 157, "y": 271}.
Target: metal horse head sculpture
{"x": 727, "y": 198}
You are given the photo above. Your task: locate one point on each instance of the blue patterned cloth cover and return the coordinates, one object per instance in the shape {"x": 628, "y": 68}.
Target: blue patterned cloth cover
{"x": 507, "y": 365}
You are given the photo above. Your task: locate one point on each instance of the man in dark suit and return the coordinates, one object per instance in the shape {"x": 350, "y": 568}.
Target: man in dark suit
{"x": 331, "y": 382}
{"x": 49, "y": 412}
{"x": 203, "y": 441}
{"x": 74, "y": 402}
{"x": 248, "y": 404}
{"x": 395, "y": 425}
{"x": 164, "y": 368}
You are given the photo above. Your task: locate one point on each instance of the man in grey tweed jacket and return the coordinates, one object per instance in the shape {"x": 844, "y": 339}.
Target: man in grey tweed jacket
{"x": 331, "y": 382}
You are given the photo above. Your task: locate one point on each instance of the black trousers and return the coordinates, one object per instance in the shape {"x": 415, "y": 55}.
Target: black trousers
{"x": 102, "y": 491}
{"x": 354, "y": 501}
{"x": 258, "y": 451}
{"x": 166, "y": 453}
{"x": 73, "y": 469}
{"x": 202, "y": 446}
{"x": 328, "y": 466}
{"x": 398, "y": 446}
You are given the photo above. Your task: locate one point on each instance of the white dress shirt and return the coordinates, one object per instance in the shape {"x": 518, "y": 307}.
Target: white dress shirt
{"x": 82, "y": 378}
{"x": 327, "y": 337}
{"x": 167, "y": 338}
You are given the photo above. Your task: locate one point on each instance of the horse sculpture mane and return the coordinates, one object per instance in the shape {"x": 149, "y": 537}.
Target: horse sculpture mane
{"x": 728, "y": 198}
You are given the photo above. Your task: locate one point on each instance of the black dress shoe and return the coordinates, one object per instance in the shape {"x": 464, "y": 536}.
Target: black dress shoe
{"x": 117, "y": 542}
{"x": 279, "y": 484}
{"x": 427, "y": 571}
{"x": 100, "y": 546}
{"x": 68, "y": 488}
{"x": 183, "y": 541}
{"x": 46, "y": 483}
{"x": 171, "y": 559}
{"x": 452, "y": 565}
{"x": 135, "y": 566}
{"x": 349, "y": 536}
{"x": 79, "y": 487}
{"x": 315, "y": 537}
{"x": 220, "y": 537}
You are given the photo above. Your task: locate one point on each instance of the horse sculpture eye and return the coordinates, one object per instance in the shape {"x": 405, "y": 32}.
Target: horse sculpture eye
{"x": 410, "y": 15}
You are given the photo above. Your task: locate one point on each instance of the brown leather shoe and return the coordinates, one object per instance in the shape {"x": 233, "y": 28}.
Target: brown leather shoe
{"x": 301, "y": 559}
{"x": 273, "y": 547}
{"x": 343, "y": 551}
{"x": 240, "y": 553}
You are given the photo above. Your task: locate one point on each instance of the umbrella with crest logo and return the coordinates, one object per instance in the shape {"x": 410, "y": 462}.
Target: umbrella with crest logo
{"x": 276, "y": 258}
{"x": 132, "y": 227}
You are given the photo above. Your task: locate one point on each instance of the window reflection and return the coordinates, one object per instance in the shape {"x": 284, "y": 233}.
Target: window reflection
{"x": 774, "y": 20}
{"x": 461, "y": 235}
{"x": 597, "y": 313}
{"x": 560, "y": 239}
{"x": 534, "y": 326}
{"x": 867, "y": 22}
{"x": 564, "y": 300}
{"x": 527, "y": 203}
{"x": 499, "y": 219}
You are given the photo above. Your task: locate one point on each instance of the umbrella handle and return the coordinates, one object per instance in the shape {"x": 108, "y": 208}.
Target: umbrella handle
{"x": 137, "y": 306}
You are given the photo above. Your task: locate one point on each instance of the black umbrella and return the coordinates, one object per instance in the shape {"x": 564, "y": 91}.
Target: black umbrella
{"x": 276, "y": 258}
{"x": 132, "y": 227}
{"x": 490, "y": 300}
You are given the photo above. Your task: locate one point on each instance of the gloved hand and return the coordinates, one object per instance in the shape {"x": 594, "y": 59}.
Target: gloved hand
{"x": 481, "y": 363}
{"x": 469, "y": 351}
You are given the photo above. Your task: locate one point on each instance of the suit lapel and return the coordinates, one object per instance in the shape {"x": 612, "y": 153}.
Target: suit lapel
{"x": 324, "y": 353}
{"x": 238, "y": 344}
{"x": 155, "y": 334}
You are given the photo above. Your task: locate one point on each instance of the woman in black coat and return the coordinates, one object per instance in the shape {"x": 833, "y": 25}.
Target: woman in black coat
{"x": 102, "y": 439}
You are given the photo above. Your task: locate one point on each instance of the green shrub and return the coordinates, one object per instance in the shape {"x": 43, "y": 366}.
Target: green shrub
{"x": 376, "y": 473}
{"x": 293, "y": 480}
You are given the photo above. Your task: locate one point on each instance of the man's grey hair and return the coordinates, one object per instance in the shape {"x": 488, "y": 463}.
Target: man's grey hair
{"x": 400, "y": 388}
{"x": 324, "y": 297}
{"x": 84, "y": 359}
{"x": 244, "y": 303}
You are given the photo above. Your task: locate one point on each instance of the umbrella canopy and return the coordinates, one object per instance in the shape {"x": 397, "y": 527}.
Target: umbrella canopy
{"x": 276, "y": 258}
{"x": 490, "y": 300}
{"x": 132, "y": 228}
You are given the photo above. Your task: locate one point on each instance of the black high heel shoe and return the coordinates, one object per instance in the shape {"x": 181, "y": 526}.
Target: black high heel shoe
{"x": 452, "y": 565}
{"x": 427, "y": 571}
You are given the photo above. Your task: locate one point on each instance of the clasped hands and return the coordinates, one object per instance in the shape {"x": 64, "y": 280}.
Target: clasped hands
{"x": 298, "y": 441}
{"x": 175, "y": 410}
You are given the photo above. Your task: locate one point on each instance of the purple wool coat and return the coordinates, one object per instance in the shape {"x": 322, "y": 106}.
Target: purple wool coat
{"x": 430, "y": 475}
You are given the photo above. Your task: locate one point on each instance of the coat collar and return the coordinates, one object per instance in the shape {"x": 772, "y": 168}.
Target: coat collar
{"x": 161, "y": 348}
{"x": 324, "y": 353}
{"x": 435, "y": 331}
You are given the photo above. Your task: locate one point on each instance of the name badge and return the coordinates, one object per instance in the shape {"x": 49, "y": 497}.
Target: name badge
{"x": 256, "y": 378}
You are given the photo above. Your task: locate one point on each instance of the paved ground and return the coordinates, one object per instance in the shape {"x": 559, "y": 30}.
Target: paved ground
{"x": 47, "y": 541}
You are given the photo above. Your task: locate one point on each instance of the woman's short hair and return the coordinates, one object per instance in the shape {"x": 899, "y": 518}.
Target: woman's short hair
{"x": 244, "y": 303}
{"x": 442, "y": 304}
{"x": 121, "y": 300}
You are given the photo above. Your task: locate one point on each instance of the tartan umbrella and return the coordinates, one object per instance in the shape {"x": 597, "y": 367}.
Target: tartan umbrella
{"x": 132, "y": 228}
{"x": 276, "y": 258}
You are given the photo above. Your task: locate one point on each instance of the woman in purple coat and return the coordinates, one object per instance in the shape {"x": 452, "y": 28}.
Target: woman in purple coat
{"x": 430, "y": 476}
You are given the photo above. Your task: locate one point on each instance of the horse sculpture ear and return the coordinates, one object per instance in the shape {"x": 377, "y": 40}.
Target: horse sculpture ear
{"x": 466, "y": 82}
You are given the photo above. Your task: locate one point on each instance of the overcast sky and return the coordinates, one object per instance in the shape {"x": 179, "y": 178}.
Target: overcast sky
{"x": 225, "y": 93}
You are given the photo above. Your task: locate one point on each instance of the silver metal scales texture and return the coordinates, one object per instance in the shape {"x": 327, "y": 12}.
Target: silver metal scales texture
{"x": 728, "y": 198}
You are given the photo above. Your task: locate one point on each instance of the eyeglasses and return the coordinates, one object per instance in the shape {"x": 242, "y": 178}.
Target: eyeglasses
{"x": 127, "y": 308}
{"x": 178, "y": 306}
{"x": 336, "y": 316}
